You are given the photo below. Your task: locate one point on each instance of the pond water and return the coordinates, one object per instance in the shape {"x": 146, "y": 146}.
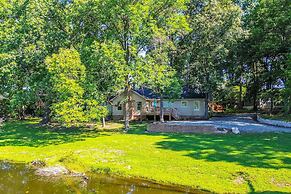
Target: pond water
{"x": 19, "y": 178}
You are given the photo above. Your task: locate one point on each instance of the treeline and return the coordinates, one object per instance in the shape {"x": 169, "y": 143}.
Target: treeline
{"x": 62, "y": 60}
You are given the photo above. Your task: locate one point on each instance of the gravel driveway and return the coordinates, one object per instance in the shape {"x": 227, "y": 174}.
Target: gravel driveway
{"x": 243, "y": 122}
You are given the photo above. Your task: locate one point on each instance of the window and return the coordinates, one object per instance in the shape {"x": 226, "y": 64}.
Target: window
{"x": 184, "y": 103}
{"x": 196, "y": 105}
{"x": 139, "y": 105}
{"x": 119, "y": 106}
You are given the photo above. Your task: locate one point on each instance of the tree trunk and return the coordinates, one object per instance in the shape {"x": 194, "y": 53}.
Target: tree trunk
{"x": 21, "y": 113}
{"x": 155, "y": 116}
{"x": 287, "y": 104}
{"x": 255, "y": 88}
{"x": 240, "y": 105}
{"x": 127, "y": 112}
{"x": 272, "y": 105}
{"x": 255, "y": 104}
{"x": 271, "y": 85}
{"x": 103, "y": 122}
{"x": 162, "y": 109}
{"x": 46, "y": 116}
{"x": 125, "y": 45}
{"x": 206, "y": 106}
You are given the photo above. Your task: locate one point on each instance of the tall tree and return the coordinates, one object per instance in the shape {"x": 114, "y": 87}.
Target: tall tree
{"x": 30, "y": 30}
{"x": 131, "y": 33}
{"x": 215, "y": 28}
{"x": 67, "y": 77}
{"x": 268, "y": 47}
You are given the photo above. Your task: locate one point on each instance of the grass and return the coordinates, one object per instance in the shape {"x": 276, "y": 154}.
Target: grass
{"x": 247, "y": 163}
{"x": 236, "y": 111}
{"x": 278, "y": 117}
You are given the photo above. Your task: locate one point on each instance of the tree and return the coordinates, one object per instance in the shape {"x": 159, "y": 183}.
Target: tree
{"x": 30, "y": 30}
{"x": 268, "y": 46}
{"x": 215, "y": 28}
{"x": 67, "y": 77}
{"x": 287, "y": 91}
{"x": 164, "y": 83}
{"x": 131, "y": 32}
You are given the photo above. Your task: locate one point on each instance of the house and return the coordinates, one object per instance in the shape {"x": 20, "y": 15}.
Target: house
{"x": 145, "y": 104}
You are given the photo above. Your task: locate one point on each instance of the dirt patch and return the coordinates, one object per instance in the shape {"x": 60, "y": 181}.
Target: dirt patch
{"x": 239, "y": 180}
{"x": 280, "y": 184}
{"x": 52, "y": 171}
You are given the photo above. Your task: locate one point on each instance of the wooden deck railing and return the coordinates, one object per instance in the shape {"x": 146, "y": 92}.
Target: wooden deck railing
{"x": 167, "y": 111}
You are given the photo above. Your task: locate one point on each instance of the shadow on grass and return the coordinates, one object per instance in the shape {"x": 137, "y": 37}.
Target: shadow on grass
{"x": 260, "y": 150}
{"x": 27, "y": 133}
{"x": 270, "y": 192}
{"x": 266, "y": 150}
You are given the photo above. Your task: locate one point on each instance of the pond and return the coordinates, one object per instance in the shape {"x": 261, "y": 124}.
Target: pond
{"x": 19, "y": 178}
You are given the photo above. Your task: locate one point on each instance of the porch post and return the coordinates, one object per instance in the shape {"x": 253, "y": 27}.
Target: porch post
{"x": 155, "y": 110}
{"x": 206, "y": 106}
{"x": 161, "y": 109}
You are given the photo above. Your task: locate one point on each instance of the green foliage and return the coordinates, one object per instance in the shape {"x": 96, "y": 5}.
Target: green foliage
{"x": 230, "y": 95}
{"x": 29, "y": 31}
{"x": 135, "y": 42}
{"x": 163, "y": 45}
{"x": 281, "y": 117}
{"x": 67, "y": 77}
{"x": 259, "y": 60}
{"x": 143, "y": 47}
{"x": 266, "y": 50}
{"x": 287, "y": 90}
{"x": 107, "y": 62}
{"x": 215, "y": 27}
{"x": 67, "y": 74}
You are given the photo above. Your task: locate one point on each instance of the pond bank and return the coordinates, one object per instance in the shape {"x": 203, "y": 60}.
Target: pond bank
{"x": 28, "y": 180}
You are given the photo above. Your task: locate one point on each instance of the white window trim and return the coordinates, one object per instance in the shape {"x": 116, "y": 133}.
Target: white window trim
{"x": 183, "y": 102}
{"x": 119, "y": 104}
{"x": 198, "y": 106}
{"x": 141, "y": 105}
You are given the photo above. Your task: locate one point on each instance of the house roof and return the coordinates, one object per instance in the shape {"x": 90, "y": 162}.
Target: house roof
{"x": 134, "y": 91}
{"x": 186, "y": 93}
{"x": 149, "y": 94}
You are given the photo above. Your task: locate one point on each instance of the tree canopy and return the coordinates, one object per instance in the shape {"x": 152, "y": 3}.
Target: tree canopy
{"x": 63, "y": 60}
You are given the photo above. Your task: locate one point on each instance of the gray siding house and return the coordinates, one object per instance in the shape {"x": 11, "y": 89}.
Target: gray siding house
{"x": 145, "y": 104}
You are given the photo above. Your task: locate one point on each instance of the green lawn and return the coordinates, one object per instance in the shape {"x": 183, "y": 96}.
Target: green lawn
{"x": 278, "y": 117}
{"x": 219, "y": 163}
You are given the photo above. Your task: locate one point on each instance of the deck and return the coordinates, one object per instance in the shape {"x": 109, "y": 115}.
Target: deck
{"x": 170, "y": 112}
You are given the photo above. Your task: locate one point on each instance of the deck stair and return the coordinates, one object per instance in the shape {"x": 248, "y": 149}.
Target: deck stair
{"x": 172, "y": 112}
{"x": 175, "y": 114}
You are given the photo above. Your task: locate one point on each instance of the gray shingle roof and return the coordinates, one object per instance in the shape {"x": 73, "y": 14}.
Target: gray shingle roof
{"x": 185, "y": 94}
